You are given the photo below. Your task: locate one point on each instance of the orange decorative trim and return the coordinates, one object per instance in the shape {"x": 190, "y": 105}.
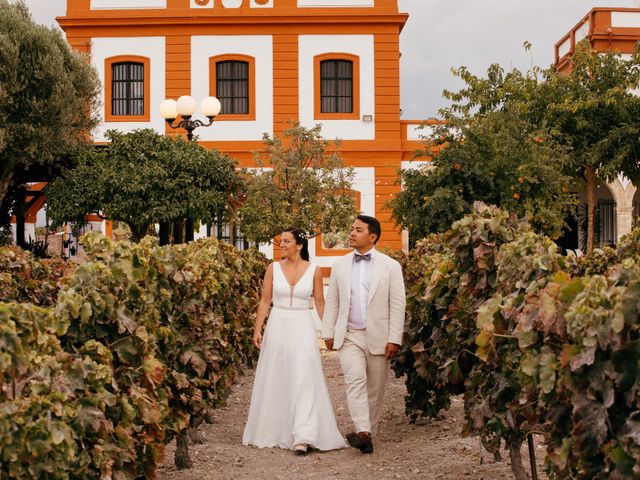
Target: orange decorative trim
{"x": 108, "y": 62}
{"x": 321, "y": 251}
{"x": 317, "y": 114}
{"x": 252, "y": 85}
{"x": 262, "y": 2}
{"x": 202, "y": 3}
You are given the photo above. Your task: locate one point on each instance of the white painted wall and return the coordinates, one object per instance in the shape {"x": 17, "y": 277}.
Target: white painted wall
{"x": 335, "y": 3}
{"x": 258, "y": 46}
{"x": 360, "y": 45}
{"x": 415, "y": 132}
{"x": 127, "y": 4}
{"x": 151, "y": 47}
{"x": 29, "y": 231}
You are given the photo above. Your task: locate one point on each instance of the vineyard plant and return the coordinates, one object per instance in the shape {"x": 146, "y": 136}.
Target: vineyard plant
{"x": 536, "y": 342}
{"x": 138, "y": 344}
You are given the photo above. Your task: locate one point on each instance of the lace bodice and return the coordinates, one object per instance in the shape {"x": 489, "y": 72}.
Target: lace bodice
{"x": 296, "y": 296}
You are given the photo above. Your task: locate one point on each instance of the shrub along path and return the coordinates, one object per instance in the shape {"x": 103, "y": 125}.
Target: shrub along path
{"x": 431, "y": 449}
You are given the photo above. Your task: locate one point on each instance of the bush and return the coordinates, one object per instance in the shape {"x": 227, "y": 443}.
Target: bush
{"x": 23, "y": 278}
{"x": 145, "y": 340}
{"x": 535, "y": 341}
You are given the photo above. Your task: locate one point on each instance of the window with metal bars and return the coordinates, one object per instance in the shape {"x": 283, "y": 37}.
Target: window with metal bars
{"x": 232, "y": 86}
{"x": 336, "y": 86}
{"x": 606, "y": 212}
{"x": 227, "y": 233}
{"x": 127, "y": 88}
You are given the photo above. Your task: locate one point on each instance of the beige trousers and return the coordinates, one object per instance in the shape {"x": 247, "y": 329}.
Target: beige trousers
{"x": 365, "y": 375}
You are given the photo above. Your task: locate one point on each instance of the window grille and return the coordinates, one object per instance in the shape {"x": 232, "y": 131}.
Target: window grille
{"x": 127, "y": 88}
{"x": 222, "y": 231}
{"x": 336, "y": 86}
{"x": 232, "y": 86}
{"x": 606, "y": 212}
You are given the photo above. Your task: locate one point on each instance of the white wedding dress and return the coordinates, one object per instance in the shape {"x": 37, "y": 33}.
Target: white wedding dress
{"x": 290, "y": 402}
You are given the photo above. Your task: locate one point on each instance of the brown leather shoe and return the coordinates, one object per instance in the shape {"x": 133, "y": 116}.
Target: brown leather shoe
{"x": 361, "y": 441}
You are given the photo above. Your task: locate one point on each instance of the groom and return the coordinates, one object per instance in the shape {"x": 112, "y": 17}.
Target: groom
{"x": 364, "y": 320}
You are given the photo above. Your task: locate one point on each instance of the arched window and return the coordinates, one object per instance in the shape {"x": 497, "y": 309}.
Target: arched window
{"x": 232, "y": 80}
{"x": 337, "y": 88}
{"x": 127, "y": 89}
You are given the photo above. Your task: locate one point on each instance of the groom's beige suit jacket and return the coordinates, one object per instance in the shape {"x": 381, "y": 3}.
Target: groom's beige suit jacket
{"x": 385, "y": 310}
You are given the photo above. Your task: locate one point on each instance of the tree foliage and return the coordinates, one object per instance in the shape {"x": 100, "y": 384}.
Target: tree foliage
{"x": 143, "y": 178}
{"x": 47, "y": 95}
{"x": 495, "y": 158}
{"x": 299, "y": 184}
{"x": 545, "y": 127}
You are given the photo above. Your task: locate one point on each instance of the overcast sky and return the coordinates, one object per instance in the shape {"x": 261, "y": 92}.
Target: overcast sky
{"x": 441, "y": 34}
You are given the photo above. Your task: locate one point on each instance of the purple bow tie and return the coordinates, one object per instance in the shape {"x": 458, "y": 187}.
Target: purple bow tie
{"x": 360, "y": 258}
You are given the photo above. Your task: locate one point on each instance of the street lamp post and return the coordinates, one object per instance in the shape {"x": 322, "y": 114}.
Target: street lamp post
{"x": 184, "y": 108}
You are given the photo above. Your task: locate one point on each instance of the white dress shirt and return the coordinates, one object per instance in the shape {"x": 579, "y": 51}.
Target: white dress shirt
{"x": 360, "y": 281}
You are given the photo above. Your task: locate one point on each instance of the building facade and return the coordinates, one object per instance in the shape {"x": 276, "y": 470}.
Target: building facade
{"x": 606, "y": 29}
{"x": 270, "y": 62}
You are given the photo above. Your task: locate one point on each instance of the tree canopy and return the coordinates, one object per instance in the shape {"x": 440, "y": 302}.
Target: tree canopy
{"x": 142, "y": 178}
{"x": 545, "y": 127}
{"x": 495, "y": 159}
{"x": 47, "y": 95}
{"x": 298, "y": 183}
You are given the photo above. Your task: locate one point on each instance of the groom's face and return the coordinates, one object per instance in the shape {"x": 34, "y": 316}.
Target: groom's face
{"x": 360, "y": 236}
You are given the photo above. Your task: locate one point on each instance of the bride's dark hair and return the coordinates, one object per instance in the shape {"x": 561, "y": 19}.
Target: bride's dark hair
{"x": 300, "y": 237}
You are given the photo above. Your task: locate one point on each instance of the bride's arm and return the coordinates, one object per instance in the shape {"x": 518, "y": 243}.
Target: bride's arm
{"x": 263, "y": 306}
{"x": 318, "y": 292}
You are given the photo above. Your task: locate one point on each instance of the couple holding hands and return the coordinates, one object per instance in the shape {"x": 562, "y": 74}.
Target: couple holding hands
{"x": 362, "y": 318}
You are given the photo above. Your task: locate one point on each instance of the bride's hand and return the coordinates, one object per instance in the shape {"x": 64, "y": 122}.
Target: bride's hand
{"x": 257, "y": 340}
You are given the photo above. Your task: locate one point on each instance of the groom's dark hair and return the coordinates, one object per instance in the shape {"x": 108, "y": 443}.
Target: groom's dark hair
{"x": 372, "y": 224}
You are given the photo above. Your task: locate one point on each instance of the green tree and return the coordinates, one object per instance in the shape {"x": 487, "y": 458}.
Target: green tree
{"x": 142, "y": 178}
{"x": 47, "y": 94}
{"x": 297, "y": 184}
{"x": 593, "y": 111}
{"x": 496, "y": 158}
{"x": 590, "y": 111}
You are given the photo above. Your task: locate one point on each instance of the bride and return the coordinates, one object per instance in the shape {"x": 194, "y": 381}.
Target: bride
{"x": 290, "y": 405}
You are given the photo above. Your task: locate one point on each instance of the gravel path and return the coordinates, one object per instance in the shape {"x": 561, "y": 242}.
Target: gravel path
{"x": 432, "y": 449}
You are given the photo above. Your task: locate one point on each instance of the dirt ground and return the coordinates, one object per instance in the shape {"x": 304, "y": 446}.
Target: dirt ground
{"x": 431, "y": 449}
